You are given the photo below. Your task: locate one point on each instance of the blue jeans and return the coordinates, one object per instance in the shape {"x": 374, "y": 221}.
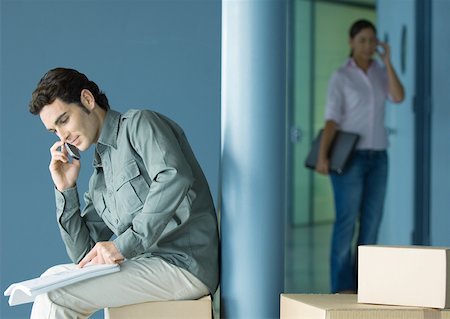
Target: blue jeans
{"x": 358, "y": 195}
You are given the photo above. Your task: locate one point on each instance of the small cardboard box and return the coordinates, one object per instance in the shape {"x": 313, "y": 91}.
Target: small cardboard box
{"x": 404, "y": 275}
{"x": 342, "y": 306}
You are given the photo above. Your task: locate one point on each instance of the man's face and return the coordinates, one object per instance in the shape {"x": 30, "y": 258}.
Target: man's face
{"x": 71, "y": 123}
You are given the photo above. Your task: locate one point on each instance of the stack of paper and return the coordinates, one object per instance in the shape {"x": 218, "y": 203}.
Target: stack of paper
{"x": 26, "y": 291}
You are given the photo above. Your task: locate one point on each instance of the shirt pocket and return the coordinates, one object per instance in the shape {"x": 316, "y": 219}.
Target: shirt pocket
{"x": 99, "y": 202}
{"x": 131, "y": 188}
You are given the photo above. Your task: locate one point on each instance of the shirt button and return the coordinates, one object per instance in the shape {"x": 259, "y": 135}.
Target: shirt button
{"x": 117, "y": 220}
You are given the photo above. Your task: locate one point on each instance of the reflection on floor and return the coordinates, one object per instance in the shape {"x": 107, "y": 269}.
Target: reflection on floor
{"x": 307, "y": 267}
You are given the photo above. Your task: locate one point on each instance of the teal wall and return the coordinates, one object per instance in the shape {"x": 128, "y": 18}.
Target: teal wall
{"x": 440, "y": 147}
{"x": 398, "y": 219}
{"x": 162, "y": 55}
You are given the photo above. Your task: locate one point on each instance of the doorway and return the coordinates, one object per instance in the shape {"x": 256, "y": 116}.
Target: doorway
{"x": 319, "y": 37}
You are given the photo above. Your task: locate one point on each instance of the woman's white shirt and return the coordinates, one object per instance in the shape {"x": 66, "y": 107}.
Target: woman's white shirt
{"x": 356, "y": 102}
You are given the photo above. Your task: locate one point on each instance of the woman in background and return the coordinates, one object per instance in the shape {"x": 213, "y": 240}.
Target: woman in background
{"x": 355, "y": 103}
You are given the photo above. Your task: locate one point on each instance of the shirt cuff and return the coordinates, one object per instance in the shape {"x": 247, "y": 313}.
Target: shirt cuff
{"x": 66, "y": 201}
{"x": 128, "y": 244}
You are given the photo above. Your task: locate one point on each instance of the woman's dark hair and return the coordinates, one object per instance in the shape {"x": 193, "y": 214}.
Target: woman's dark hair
{"x": 66, "y": 85}
{"x": 359, "y": 25}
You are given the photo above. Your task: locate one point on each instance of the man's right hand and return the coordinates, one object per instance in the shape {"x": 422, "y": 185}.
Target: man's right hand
{"x": 64, "y": 173}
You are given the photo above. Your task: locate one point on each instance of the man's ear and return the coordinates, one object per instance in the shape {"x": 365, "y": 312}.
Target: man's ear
{"x": 87, "y": 99}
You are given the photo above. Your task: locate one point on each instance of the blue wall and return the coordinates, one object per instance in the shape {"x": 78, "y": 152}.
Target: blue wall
{"x": 392, "y": 17}
{"x": 440, "y": 147}
{"x": 162, "y": 55}
{"x": 398, "y": 221}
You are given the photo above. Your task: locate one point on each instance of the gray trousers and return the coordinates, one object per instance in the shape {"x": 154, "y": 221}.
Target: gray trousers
{"x": 140, "y": 280}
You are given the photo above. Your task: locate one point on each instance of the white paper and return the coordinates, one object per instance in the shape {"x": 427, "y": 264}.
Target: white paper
{"x": 26, "y": 291}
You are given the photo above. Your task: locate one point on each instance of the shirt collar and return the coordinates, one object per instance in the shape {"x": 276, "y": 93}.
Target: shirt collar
{"x": 108, "y": 136}
{"x": 351, "y": 63}
{"x": 110, "y": 129}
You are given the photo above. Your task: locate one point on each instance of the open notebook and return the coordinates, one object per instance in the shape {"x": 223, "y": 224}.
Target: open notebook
{"x": 340, "y": 151}
{"x": 26, "y": 291}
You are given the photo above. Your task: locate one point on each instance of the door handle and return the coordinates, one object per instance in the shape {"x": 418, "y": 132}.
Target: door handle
{"x": 296, "y": 135}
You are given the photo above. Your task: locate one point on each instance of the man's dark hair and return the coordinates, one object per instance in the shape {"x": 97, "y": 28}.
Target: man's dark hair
{"x": 66, "y": 85}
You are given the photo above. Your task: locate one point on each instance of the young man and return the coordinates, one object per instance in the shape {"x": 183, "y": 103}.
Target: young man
{"x": 147, "y": 189}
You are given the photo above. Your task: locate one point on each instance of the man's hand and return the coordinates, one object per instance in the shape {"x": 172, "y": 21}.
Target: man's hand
{"x": 104, "y": 252}
{"x": 64, "y": 173}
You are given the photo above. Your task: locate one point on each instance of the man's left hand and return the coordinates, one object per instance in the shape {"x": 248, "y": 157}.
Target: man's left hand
{"x": 104, "y": 252}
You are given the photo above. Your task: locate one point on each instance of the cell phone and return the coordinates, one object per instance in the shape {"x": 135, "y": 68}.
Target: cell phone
{"x": 380, "y": 49}
{"x": 73, "y": 151}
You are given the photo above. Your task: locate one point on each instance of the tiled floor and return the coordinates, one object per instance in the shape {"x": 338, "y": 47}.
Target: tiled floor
{"x": 307, "y": 259}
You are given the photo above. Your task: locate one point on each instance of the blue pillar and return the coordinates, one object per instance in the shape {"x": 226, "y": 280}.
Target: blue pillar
{"x": 253, "y": 157}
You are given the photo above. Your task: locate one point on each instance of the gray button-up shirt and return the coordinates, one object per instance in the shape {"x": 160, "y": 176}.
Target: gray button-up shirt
{"x": 148, "y": 189}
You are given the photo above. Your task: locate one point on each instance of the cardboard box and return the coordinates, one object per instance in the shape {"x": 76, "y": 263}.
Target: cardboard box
{"x": 341, "y": 306}
{"x": 193, "y": 309}
{"x": 406, "y": 276}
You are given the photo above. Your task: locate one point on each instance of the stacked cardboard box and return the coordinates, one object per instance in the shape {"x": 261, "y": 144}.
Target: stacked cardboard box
{"x": 407, "y": 276}
{"x": 342, "y": 306}
{"x": 394, "y": 282}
